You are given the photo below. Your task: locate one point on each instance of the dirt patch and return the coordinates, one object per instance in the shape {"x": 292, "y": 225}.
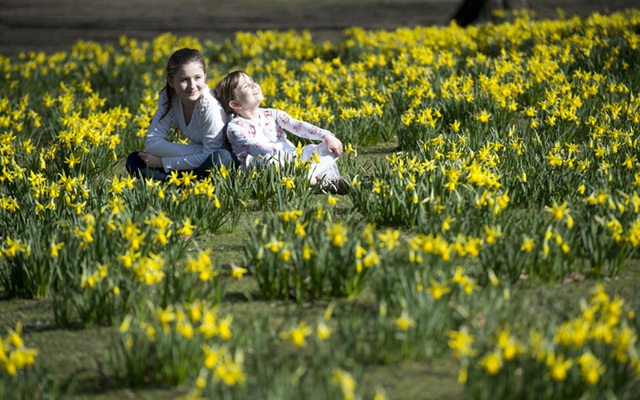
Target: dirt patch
{"x": 56, "y": 24}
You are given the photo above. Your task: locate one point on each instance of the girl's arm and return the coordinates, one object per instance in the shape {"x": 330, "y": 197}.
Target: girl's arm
{"x": 156, "y": 142}
{"x": 210, "y": 120}
{"x": 334, "y": 145}
{"x": 308, "y": 131}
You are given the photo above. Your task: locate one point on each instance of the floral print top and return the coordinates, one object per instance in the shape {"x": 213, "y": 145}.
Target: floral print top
{"x": 265, "y": 139}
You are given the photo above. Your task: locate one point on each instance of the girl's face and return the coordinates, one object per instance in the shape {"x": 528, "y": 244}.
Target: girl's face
{"x": 189, "y": 82}
{"x": 248, "y": 94}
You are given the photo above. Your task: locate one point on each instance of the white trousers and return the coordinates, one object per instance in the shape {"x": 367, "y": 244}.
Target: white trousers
{"x": 326, "y": 167}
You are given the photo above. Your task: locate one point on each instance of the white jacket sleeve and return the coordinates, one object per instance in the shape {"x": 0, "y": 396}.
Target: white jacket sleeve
{"x": 156, "y": 142}
{"x": 299, "y": 128}
{"x": 205, "y": 133}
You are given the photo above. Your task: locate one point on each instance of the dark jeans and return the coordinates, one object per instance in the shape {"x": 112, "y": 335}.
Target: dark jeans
{"x": 137, "y": 167}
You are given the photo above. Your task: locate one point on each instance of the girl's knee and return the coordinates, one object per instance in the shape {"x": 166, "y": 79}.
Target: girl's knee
{"x": 133, "y": 162}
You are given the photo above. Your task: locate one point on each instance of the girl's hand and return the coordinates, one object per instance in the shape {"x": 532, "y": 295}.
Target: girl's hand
{"x": 334, "y": 145}
{"x": 151, "y": 160}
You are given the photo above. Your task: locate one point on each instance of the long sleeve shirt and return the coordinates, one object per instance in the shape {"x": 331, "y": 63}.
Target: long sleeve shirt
{"x": 205, "y": 132}
{"x": 266, "y": 139}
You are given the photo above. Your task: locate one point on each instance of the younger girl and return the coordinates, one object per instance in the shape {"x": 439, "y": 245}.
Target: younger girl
{"x": 186, "y": 103}
{"x": 258, "y": 134}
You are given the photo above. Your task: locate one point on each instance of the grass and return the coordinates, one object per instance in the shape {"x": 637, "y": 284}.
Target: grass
{"x": 77, "y": 357}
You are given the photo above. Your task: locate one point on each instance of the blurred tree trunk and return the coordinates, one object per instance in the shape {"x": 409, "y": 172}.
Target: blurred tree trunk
{"x": 480, "y": 11}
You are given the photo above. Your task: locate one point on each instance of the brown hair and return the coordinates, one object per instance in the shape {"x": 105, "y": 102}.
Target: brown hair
{"x": 177, "y": 60}
{"x": 225, "y": 90}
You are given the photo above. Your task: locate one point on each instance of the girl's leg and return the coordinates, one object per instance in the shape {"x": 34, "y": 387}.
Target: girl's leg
{"x": 137, "y": 167}
{"x": 324, "y": 174}
{"x": 326, "y": 167}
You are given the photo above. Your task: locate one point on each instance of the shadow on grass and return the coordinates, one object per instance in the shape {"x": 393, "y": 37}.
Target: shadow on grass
{"x": 417, "y": 380}
{"x": 95, "y": 384}
{"x": 34, "y": 315}
{"x": 239, "y": 297}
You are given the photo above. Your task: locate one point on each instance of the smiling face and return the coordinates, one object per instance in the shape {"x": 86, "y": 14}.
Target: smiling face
{"x": 189, "y": 82}
{"x": 247, "y": 95}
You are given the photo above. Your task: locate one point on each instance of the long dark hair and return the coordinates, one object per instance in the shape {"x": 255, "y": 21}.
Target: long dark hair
{"x": 177, "y": 60}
